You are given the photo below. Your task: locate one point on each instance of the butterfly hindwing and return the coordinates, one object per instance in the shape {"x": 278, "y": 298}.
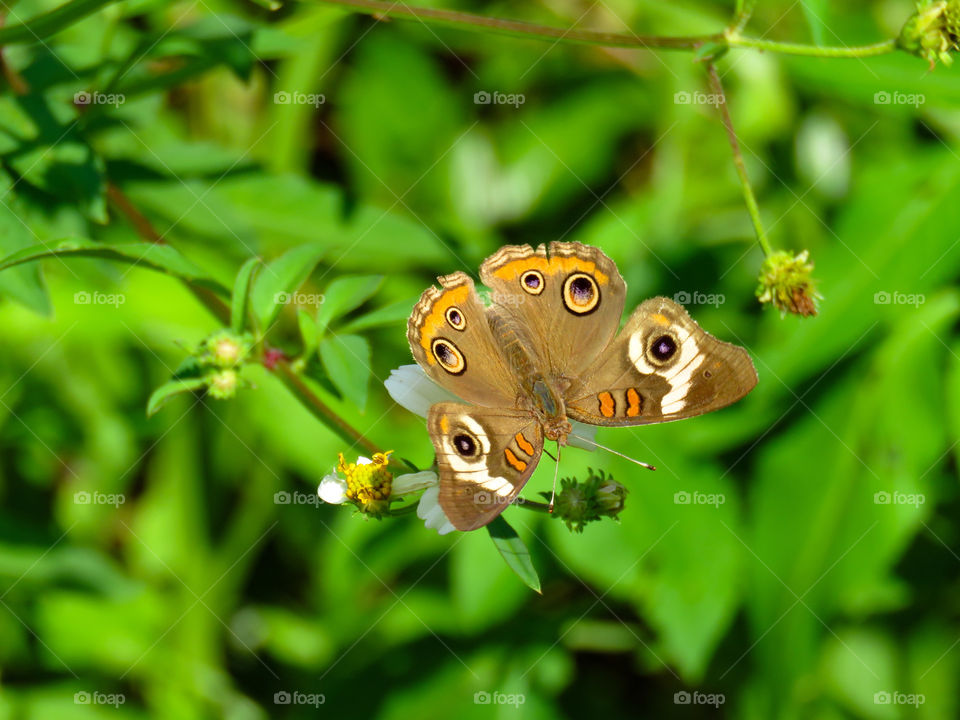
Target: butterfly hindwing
{"x": 661, "y": 367}
{"x": 485, "y": 456}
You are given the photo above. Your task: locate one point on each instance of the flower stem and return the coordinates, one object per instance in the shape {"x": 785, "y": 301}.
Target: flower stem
{"x": 470, "y": 21}
{"x": 516, "y": 28}
{"x": 734, "y": 39}
{"x": 752, "y": 207}
{"x": 535, "y": 506}
{"x": 320, "y": 409}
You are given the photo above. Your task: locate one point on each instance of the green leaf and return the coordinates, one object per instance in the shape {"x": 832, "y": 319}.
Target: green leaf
{"x": 162, "y": 258}
{"x": 816, "y": 13}
{"x": 24, "y": 284}
{"x": 346, "y": 358}
{"x": 42, "y": 26}
{"x": 391, "y": 314}
{"x": 280, "y": 278}
{"x": 168, "y": 390}
{"x": 344, "y": 294}
{"x": 241, "y": 289}
{"x": 308, "y": 332}
{"x": 514, "y": 552}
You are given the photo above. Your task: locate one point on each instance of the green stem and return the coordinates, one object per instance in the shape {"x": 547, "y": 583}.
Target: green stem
{"x": 752, "y": 207}
{"x": 469, "y": 21}
{"x": 536, "y": 506}
{"x": 734, "y": 39}
{"x": 405, "y": 510}
{"x": 731, "y": 37}
{"x": 320, "y": 409}
{"x": 53, "y": 21}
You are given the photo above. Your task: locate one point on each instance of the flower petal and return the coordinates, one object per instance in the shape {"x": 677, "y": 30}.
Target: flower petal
{"x": 413, "y": 482}
{"x": 333, "y": 490}
{"x": 410, "y": 387}
{"x": 430, "y": 511}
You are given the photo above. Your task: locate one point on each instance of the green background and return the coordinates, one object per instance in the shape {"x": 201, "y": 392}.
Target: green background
{"x": 200, "y": 597}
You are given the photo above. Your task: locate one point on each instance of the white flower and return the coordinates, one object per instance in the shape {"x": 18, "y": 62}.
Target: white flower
{"x": 430, "y": 511}
{"x": 413, "y": 482}
{"x": 333, "y": 489}
{"x": 410, "y": 387}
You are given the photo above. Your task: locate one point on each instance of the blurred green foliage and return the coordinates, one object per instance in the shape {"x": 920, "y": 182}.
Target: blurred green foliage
{"x": 145, "y": 559}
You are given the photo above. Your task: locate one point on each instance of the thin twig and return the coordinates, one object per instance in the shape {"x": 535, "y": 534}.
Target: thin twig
{"x": 752, "y": 207}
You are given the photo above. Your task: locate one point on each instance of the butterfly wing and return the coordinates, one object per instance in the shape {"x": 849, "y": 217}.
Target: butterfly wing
{"x": 569, "y": 301}
{"x": 661, "y": 367}
{"x": 485, "y": 456}
{"x": 450, "y": 338}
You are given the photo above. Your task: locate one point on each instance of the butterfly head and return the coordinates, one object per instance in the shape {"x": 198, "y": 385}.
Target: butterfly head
{"x": 551, "y": 410}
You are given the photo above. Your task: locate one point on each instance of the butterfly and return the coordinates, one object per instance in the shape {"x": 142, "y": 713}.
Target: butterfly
{"x": 546, "y": 350}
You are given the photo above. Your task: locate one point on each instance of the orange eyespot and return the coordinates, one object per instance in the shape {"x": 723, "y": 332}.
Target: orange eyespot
{"x": 532, "y": 282}
{"x": 449, "y": 357}
{"x": 581, "y": 295}
{"x": 455, "y": 318}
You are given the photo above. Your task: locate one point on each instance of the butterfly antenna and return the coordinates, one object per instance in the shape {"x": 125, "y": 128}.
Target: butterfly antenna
{"x": 556, "y": 472}
{"x": 611, "y": 450}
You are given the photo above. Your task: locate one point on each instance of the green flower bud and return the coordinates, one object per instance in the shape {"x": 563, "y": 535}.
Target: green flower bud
{"x": 578, "y": 504}
{"x": 225, "y": 350}
{"x": 933, "y": 31}
{"x": 223, "y": 384}
{"x": 786, "y": 282}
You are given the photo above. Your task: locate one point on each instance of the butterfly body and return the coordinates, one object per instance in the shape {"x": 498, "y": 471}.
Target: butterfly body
{"x": 546, "y": 350}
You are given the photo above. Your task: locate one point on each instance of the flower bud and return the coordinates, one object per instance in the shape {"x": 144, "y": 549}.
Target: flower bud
{"x": 933, "y": 31}
{"x": 786, "y": 282}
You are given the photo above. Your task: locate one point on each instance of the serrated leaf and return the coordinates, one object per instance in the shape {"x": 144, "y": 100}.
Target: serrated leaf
{"x": 514, "y": 552}
{"x": 345, "y": 294}
{"x": 241, "y": 289}
{"x": 167, "y": 391}
{"x": 346, "y": 358}
{"x": 280, "y": 277}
